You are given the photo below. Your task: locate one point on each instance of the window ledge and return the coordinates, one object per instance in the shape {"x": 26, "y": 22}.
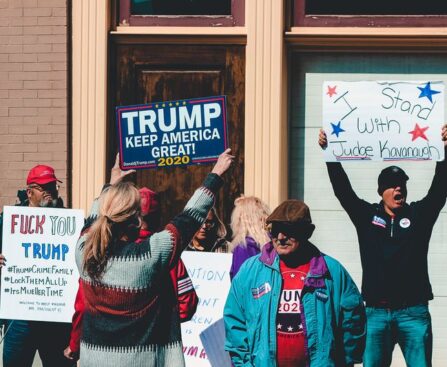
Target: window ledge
{"x": 182, "y": 31}
{"x": 434, "y": 38}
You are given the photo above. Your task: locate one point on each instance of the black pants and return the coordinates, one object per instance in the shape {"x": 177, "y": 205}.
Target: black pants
{"x": 23, "y": 338}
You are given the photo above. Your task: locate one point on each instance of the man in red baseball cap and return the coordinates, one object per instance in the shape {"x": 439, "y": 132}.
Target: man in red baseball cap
{"x": 22, "y": 337}
{"x": 42, "y": 187}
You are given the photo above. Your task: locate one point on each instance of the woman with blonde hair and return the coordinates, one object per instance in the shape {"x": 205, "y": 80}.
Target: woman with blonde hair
{"x": 211, "y": 235}
{"x": 131, "y": 316}
{"x": 249, "y": 232}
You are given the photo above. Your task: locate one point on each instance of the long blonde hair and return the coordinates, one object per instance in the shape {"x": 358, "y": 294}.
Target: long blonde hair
{"x": 119, "y": 208}
{"x": 248, "y": 219}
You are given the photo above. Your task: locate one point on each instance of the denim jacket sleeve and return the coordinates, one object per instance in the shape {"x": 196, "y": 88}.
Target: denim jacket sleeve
{"x": 236, "y": 332}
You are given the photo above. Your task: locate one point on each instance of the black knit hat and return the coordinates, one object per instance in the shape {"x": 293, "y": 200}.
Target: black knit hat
{"x": 391, "y": 176}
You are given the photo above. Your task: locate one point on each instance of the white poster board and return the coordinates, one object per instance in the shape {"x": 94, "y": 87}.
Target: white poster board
{"x": 383, "y": 120}
{"x": 40, "y": 279}
{"x": 210, "y": 276}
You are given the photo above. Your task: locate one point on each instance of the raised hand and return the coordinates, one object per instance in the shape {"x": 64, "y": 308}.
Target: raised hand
{"x": 223, "y": 163}
{"x": 322, "y": 139}
{"x": 117, "y": 174}
{"x": 2, "y": 260}
{"x": 444, "y": 134}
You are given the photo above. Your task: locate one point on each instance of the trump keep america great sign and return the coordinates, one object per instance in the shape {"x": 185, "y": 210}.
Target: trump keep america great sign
{"x": 172, "y": 133}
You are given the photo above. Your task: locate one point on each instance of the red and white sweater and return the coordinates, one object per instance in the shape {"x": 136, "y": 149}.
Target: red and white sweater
{"x": 130, "y": 316}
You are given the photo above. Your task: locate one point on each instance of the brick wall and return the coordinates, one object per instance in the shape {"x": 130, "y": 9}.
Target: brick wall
{"x": 33, "y": 91}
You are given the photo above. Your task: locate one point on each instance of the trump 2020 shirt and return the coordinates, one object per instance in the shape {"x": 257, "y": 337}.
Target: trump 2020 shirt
{"x": 289, "y": 328}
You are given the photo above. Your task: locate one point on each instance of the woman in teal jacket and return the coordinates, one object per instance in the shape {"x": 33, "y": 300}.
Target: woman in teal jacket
{"x": 332, "y": 312}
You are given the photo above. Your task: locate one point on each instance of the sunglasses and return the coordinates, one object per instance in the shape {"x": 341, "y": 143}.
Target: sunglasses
{"x": 51, "y": 187}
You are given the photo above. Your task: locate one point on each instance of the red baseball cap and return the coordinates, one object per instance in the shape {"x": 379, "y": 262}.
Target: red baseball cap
{"x": 149, "y": 201}
{"x": 41, "y": 175}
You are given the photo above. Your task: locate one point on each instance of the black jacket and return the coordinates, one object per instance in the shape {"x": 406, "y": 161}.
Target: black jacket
{"x": 393, "y": 251}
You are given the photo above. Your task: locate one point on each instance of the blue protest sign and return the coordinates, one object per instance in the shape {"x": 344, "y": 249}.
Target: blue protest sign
{"x": 172, "y": 133}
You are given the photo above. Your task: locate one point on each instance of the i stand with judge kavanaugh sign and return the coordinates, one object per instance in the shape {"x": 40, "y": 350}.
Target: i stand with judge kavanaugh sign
{"x": 172, "y": 133}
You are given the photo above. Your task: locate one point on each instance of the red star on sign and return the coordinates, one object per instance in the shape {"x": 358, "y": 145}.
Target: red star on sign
{"x": 418, "y": 132}
{"x": 331, "y": 90}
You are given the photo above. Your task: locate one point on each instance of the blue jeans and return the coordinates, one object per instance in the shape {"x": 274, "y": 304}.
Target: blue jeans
{"x": 23, "y": 338}
{"x": 409, "y": 327}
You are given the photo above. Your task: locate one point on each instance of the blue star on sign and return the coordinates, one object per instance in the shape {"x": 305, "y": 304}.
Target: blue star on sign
{"x": 336, "y": 129}
{"x": 427, "y": 92}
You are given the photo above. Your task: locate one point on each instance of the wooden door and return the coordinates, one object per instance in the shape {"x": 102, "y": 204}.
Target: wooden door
{"x": 144, "y": 73}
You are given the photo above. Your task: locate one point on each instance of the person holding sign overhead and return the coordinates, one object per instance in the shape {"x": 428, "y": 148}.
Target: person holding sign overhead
{"x": 22, "y": 338}
{"x": 128, "y": 318}
{"x": 393, "y": 239}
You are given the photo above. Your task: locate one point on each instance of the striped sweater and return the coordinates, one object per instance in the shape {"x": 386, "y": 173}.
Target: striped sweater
{"x": 130, "y": 316}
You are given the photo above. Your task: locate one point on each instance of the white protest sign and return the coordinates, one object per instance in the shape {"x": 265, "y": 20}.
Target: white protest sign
{"x": 40, "y": 279}
{"x": 383, "y": 120}
{"x": 209, "y": 273}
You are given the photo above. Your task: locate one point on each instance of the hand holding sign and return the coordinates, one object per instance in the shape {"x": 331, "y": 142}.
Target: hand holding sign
{"x": 223, "y": 163}
{"x": 117, "y": 174}
{"x": 322, "y": 139}
{"x": 444, "y": 134}
{"x": 2, "y": 260}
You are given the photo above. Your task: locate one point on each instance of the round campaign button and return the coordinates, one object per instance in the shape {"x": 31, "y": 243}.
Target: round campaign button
{"x": 404, "y": 223}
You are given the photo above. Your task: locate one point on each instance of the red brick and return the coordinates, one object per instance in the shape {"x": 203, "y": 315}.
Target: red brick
{"x": 29, "y": 40}
{"x": 4, "y": 4}
{"x": 52, "y": 75}
{"x": 38, "y": 30}
{"x": 39, "y": 84}
{"x": 51, "y": 3}
{"x": 38, "y": 138}
{"x": 59, "y": 112}
{"x": 29, "y": 3}
{"x": 22, "y": 129}
{"x": 38, "y": 12}
{"x": 42, "y": 121}
{"x": 16, "y": 3}
{"x": 52, "y": 57}
{"x": 37, "y": 67}
{"x": 23, "y": 93}
{"x": 38, "y": 157}
{"x": 12, "y": 120}
{"x": 23, "y": 58}
{"x": 52, "y": 94}
{"x": 37, "y": 102}
{"x": 21, "y": 75}
{"x": 59, "y": 12}
{"x": 22, "y": 148}
{"x": 11, "y": 30}
{"x": 59, "y": 47}
{"x": 28, "y": 111}
{"x": 15, "y": 139}
{"x": 52, "y": 147}
{"x": 36, "y": 49}
{"x": 61, "y": 102}
{"x": 54, "y": 38}
{"x": 12, "y": 102}
{"x": 11, "y": 157}
{"x": 58, "y": 66}
{"x": 52, "y": 21}
{"x": 11, "y": 12}
{"x": 11, "y": 49}
{"x": 8, "y": 66}
{"x": 3, "y": 111}
{"x": 4, "y": 94}
{"x": 54, "y": 129}
{"x": 14, "y": 84}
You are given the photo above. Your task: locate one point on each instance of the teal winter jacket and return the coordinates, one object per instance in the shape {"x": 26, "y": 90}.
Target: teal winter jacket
{"x": 332, "y": 312}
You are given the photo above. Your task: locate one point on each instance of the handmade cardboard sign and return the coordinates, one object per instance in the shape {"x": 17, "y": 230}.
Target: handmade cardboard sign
{"x": 383, "y": 120}
{"x": 210, "y": 276}
{"x": 40, "y": 278}
{"x": 173, "y": 133}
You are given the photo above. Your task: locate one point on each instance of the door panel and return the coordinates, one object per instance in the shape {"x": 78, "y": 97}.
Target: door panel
{"x": 154, "y": 73}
